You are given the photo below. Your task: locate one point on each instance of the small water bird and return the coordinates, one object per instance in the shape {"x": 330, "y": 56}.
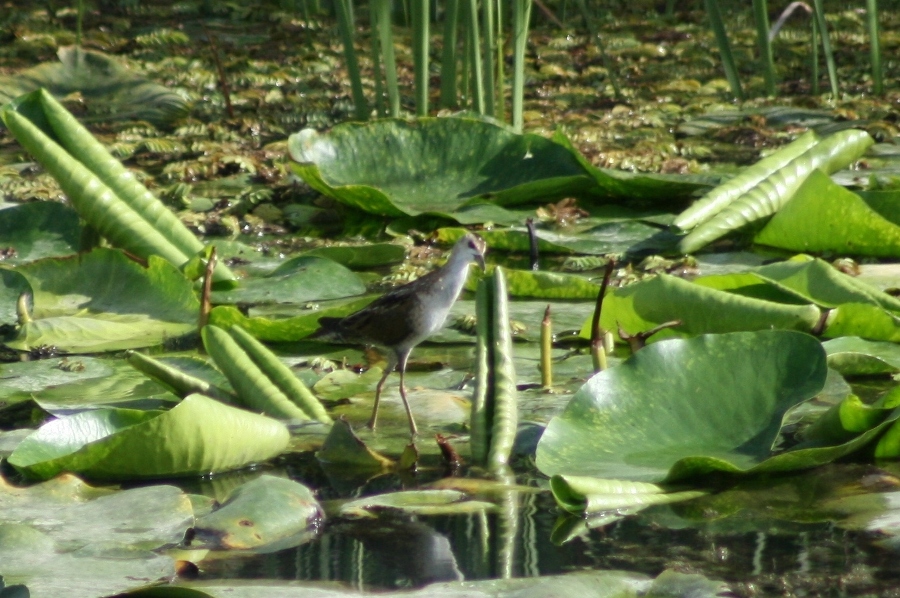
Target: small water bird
{"x": 404, "y": 317}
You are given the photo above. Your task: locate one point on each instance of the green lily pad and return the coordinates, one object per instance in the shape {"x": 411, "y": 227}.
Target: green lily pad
{"x": 664, "y": 298}
{"x": 102, "y": 78}
{"x": 298, "y": 280}
{"x": 268, "y": 512}
{"x": 864, "y": 320}
{"x": 854, "y": 356}
{"x": 31, "y": 557}
{"x": 549, "y": 285}
{"x": 586, "y": 495}
{"x": 38, "y": 229}
{"x": 624, "y": 185}
{"x": 23, "y": 380}
{"x": 823, "y": 216}
{"x": 103, "y": 301}
{"x": 76, "y": 515}
{"x": 714, "y": 398}
{"x": 65, "y": 538}
{"x": 285, "y": 329}
{"x": 819, "y": 282}
{"x": 420, "y": 502}
{"x": 434, "y": 165}
{"x": 197, "y": 437}
{"x": 343, "y": 448}
{"x": 371, "y": 255}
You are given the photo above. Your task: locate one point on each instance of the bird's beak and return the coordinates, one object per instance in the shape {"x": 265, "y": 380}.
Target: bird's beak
{"x": 479, "y": 259}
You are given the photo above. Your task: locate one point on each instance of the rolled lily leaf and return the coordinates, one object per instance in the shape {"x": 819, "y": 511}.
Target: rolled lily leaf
{"x": 682, "y": 408}
{"x": 179, "y": 382}
{"x": 494, "y": 410}
{"x": 102, "y": 190}
{"x": 823, "y": 216}
{"x": 252, "y": 384}
{"x": 281, "y": 375}
{"x": 768, "y": 197}
{"x": 197, "y": 437}
{"x": 716, "y": 200}
{"x": 586, "y": 495}
{"x": 94, "y": 201}
{"x": 434, "y": 165}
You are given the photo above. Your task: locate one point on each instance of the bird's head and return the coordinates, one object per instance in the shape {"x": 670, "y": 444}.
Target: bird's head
{"x": 472, "y": 248}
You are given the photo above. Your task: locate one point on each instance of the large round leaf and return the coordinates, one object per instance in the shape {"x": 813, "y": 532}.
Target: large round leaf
{"x": 396, "y": 167}
{"x": 199, "y": 436}
{"x": 720, "y": 397}
{"x": 103, "y": 301}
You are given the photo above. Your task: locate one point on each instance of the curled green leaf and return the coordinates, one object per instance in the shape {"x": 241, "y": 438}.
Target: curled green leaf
{"x": 720, "y": 197}
{"x": 769, "y": 195}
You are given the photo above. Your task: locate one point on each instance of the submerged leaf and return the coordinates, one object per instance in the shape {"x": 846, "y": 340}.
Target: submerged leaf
{"x": 268, "y": 512}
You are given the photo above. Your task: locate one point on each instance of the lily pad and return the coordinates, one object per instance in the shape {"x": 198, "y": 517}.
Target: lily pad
{"x": 586, "y": 495}
{"x": 298, "y": 280}
{"x": 664, "y": 298}
{"x": 819, "y": 282}
{"x": 63, "y": 537}
{"x": 38, "y": 229}
{"x": 103, "y": 301}
{"x": 823, "y": 216}
{"x": 434, "y": 165}
{"x": 285, "y": 329}
{"x": 97, "y": 76}
{"x": 853, "y": 356}
{"x": 419, "y": 502}
{"x": 268, "y": 512}
{"x": 199, "y": 436}
{"x": 716, "y": 397}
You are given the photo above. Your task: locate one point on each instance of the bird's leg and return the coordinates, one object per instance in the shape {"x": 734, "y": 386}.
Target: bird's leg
{"x": 412, "y": 422}
{"x": 392, "y": 362}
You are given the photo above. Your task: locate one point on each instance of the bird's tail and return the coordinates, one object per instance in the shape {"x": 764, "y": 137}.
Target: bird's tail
{"x": 329, "y": 330}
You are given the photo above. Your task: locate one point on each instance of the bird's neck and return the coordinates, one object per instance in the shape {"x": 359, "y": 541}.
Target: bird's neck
{"x": 451, "y": 278}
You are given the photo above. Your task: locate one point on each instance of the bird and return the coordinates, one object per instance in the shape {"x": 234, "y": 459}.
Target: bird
{"x": 404, "y": 317}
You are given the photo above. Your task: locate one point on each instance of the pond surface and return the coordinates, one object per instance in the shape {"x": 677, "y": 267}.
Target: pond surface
{"x": 778, "y": 536}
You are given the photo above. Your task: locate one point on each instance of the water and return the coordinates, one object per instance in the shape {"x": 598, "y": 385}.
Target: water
{"x": 769, "y": 545}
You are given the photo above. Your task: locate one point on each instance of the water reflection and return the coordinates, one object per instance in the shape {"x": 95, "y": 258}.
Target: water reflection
{"x": 402, "y": 551}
